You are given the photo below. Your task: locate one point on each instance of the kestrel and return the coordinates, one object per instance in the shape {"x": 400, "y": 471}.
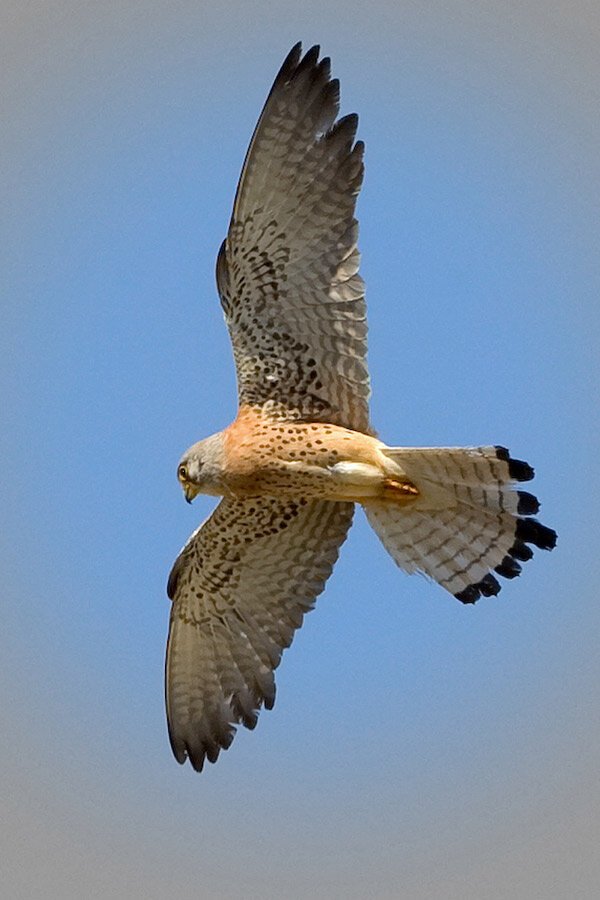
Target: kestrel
{"x": 301, "y": 452}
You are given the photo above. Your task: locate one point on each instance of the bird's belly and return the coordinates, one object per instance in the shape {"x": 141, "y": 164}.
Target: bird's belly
{"x": 300, "y": 478}
{"x": 308, "y": 460}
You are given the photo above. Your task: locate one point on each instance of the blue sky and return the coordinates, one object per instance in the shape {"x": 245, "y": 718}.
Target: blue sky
{"x": 417, "y": 748}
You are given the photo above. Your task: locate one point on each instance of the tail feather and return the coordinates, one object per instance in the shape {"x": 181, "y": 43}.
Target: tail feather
{"x": 467, "y": 522}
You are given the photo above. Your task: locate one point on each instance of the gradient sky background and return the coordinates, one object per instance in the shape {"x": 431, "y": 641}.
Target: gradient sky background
{"x": 417, "y": 748}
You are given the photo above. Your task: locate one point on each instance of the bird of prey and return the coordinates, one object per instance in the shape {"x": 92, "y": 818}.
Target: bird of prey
{"x": 301, "y": 453}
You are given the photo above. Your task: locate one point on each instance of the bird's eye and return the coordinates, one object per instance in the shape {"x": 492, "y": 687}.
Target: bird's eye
{"x": 182, "y": 473}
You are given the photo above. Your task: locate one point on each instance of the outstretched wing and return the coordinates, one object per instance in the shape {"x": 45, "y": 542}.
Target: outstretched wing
{"x": 287, "y": 272}
{"x": 240, "y": 588}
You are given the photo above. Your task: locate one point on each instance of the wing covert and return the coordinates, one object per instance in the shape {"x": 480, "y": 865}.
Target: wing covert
{"x": 240, "y": 588}
{"x": 287, "y": 272}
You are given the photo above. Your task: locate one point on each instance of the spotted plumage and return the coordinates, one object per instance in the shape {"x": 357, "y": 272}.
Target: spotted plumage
{"x": 241, "y": 587}
{"x": 301, "y": 451}
{"x": 287, "y": 271}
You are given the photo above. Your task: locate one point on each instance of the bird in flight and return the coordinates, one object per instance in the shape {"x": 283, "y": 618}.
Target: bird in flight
{"x": 301, "y": 453}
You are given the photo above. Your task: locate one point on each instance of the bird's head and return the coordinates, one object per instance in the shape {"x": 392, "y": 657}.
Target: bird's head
{"x": 199, "y": 469}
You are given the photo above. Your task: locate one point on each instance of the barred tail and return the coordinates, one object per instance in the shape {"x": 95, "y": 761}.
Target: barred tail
{"x": 469, "y": 518}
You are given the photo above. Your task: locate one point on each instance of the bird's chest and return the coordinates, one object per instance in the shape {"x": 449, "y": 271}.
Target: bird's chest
{"x": 286, "y": 458}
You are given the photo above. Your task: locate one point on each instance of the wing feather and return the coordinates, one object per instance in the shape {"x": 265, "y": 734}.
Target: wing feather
{"x": 240, "y": 588}
{"x": 287, "y": 272}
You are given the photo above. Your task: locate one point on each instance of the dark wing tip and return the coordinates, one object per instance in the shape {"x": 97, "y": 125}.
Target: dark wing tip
{"x": 294, "y": 65}
{"x": 206, "y": 746}
{"x": 527, "y": 531}
{"x": 527, "y": 505}
{"x": 205, "y": 739}
{"x": 309, "y": 60}
{"x": 325, "y": 68}
{"x": 533, "y": 532}
{"x": 509, "y": 567}
{"x": 198, "y": 756}
{"x": 520, "y": 550}
{"x": 177, "y": 746}
{"x": 470, "y": 594}
{"x": 518, "y": 469}
{"x": 345, "y": 129}
{"x": 289, "y": 64}
{"x": 487, "y": 587}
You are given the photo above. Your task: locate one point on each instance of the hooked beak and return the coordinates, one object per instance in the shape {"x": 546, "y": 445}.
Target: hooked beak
{"x": 190, "y": 491}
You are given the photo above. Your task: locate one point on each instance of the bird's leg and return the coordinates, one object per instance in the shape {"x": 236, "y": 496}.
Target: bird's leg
{"x": 400, "y": 491}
